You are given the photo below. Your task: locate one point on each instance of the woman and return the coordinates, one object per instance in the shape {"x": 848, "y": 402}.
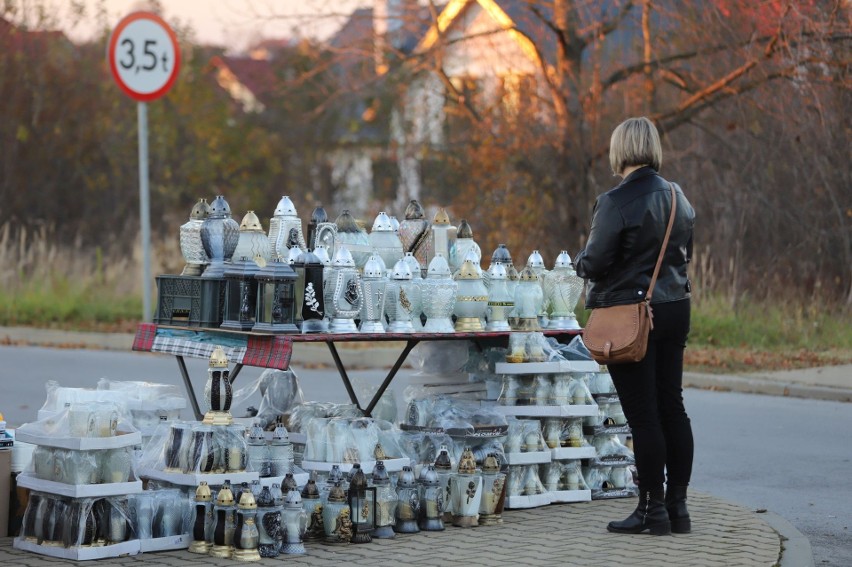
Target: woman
{"x": 628, "y": 227}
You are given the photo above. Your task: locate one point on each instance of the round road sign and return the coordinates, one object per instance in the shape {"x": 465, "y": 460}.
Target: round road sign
{"x": 144, "y": 56}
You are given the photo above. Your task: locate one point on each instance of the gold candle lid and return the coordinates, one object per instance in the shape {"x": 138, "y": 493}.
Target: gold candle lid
{"x": 218, "y": 359}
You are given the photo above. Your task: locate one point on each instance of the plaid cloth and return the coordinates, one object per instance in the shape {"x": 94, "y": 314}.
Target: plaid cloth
{"x": 268, "y": 352}
{"x": 145, "y": 333}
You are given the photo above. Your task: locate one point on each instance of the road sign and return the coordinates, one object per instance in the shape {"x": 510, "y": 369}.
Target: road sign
{"x": 144, "y": 56}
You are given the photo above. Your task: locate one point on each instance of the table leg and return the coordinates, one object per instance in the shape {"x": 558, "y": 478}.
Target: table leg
{"x": 233, "y": 375}
{"x": 397, "y": 365}
{"x": 343, "y": 375}
{"x": 189, "y": 389}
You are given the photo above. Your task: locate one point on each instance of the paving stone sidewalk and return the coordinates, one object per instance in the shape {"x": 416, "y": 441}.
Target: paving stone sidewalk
{"x": 724, "y": 534}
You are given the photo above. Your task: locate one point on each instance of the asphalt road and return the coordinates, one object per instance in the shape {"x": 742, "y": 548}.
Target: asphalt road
{"x": 784, "y": 455}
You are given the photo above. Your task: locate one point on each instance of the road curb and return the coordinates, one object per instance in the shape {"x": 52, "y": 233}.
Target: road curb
{"x": 750, "y": 385}
{"x": 795, "y": 548}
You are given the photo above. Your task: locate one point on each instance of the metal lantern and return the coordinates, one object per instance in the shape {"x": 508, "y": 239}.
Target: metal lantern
{"x": 562, "y": 289}
{"x": 439, "y": 297}
{"x": 312, "y": 505}
{"x": 493, "y": 493}
{"x": 318, "y": 217}
{"x": 362, "y": 504}
{"x": 191, "y": 247}
{"x": 268, "y": 524}
{"x": 246, "y": 536}
{"x": 276, "y": 308}
{"x": 202, "y": 522}
{"x": 219, "y": 236}
{"x": 431, "y": 501}
{"x": 223, "y": 527}
{"x": 217, "y": 391}
{"x": 414, "y": 231}
{"x": 500, "y": 303}
{"x": 528, "y": 301}
{"x": 345, "y": 294}
{"x": 443, "y": 236}
{"x": 467, "y": 491}
{"x": 373, "y": 284}
{"x": 463, "y": 247}
{"x": 310, "y": 303}
{"x": 408, "y": 503}
{"x": 240, "y": 295}
{"x": 471, "y": 299}
{"x": 294, "y": 521}
{"x": 402, "y": 302}
{"x": 385, "y": 241}
{"x": 355, "y": 238}
{"x": 336, "y": 517}
{"x": 253, "y": 244}
{"x": 444, "y": 470}
{"x": 385, "y": 502}
{"x": 285, "y": 229}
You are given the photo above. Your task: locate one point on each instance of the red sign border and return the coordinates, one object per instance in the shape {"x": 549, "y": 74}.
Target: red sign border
{"x": 113, "y": 40}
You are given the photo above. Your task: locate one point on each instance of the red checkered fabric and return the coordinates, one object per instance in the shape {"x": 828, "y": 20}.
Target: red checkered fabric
{"x": 269, "y": 352}
{"x": 145, "y": 334}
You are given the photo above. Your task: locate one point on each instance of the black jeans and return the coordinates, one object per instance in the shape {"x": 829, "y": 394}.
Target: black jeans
{"x": 651, "y": 394}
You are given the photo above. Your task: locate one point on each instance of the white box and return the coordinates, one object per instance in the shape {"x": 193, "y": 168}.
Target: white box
{"x": 571, "y": 495}
{"x": 556, "y": 367}
{"x": 168, "y": 543}
{"x": 193, "y": 479}
{"x": 123, "y": 439}
{"x": 79, "y": 553}
{"x": 531, "y": 501}
{"x": 531, "y": 458}
{"x": 572, "y": 453}
{"x": 26, "y": 480}
{"x": 588, "y": 410}
{"x": 391, "y": 465}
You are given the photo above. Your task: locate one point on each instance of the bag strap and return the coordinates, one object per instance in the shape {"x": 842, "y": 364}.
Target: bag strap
{"x": 665, "y": 244}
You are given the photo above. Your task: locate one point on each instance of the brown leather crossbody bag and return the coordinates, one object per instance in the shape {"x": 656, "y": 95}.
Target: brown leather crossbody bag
{"x": 619, "y": 334}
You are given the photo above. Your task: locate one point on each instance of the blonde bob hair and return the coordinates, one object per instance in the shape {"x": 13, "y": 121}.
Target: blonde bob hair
{"x": 635, "y": 142}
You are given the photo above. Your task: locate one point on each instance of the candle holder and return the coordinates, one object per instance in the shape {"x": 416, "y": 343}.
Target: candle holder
{"x": 385, "y": 241}
{"x": 439, "y": 297}
{"x": 562, "y": 289}
{"x": 336, "y": 517}
{"x": 362, "y": 504}
{"x": 528, "y": 301}
{"x": 414, "y": 232}
{"x": 217, "y": 391}
{"x": 500, "y": 302}
{"x": 191, "y": 247}
{"x": 408, "y": 503}
{"x": 467, "y": 491}
{"x": 443, "y": 236}
{"x": 285, "y": 229}
{"x": 345, "y": 294}
{"x": 224, "y": 525}
{"x": 257, "y": 451}
{"x": 471, "y": 299}
{"x": 253, "y": 244}
{"x": 276, "y": 306}
{"x": 202, "y": 520}
{"x": 240, "y": 295}
{"x": 294, "y": 521}
{"x": 493, "y": 492}
{"x": 353, "y": 237}
{"x": 463, "y": 247}
{"x": 374, "y": 286}
{"x": 310, "y": 303}
{"x": 219, "y": 236}
{"x": 246, "y": 535}
{"x": 312, "y": 504}
{"x": 318, "y": 217}
{"x": 386, "y": 501}
{"x": 402, "y": 300}
{"x": 431, "y": 501}
{"x": 268, "y": 524}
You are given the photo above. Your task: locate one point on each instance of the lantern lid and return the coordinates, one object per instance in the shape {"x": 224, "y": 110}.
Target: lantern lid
{"x": 382, "y": 223}
{"x": 511, "y": 273}
{"x": 527, "y": 275}
{"x": 251, "y": 223}
{"x": 394, "y": 224}
{"x": 429, "y": 476}
{"x": 277, "y": 495}
{"x": 497, "y": 271}
{"x": 474, "y": 255}
{"x": 219, "y": 208}
{"x": 441, "y": 217}
{"x": 289, "y": 483}
{"x": 247, "y": 501}
{"x": 357, "y": 478}
{"x": 467, "y": 462}
{"x": 335, "y": 475}
{"x": 265, "y": 499}
{"x": 256, "y": 435}
{"x": 276, "y": 270}
{"x": 321, "y": 252}
{"x": 285, "y": 208}
{"x": 337, "y": 494}
{"x": 280, "y": 436}
{"x": 401, "y": 271}
{"x": 373, "y": 268}
{"x": 308, "y": 258}
{"x": 491, "y": 464}
{"x": 442, "y": 462}
{"x": 438, "y": 267}
{"x": 563, "y": 260}
{"x": 467, "y": 272}
{"x": 218, "y": 358}
{"x": 310, "y": 491}
{"x": 225, "y": 497}
{"x": 293, "y": 255}
{"x": 203, "y": 492}
{"x": 464, "y": 231}
{"x": 346, "y": 222}
{"x": 414, "y": 210}
{"x": 293, "y": 499}
{"x": 380, "y": 474}
{"x": 319, "y": 215}
{"x": 243, "y": 268}
{"x": 413, "y": 263}
{"x": 535, "y": 260}
{"x": 501, "y": 254}
{"x": 406, "y": 478}
{"x": 343, "y": 258}
{"x": 200, "y": 210}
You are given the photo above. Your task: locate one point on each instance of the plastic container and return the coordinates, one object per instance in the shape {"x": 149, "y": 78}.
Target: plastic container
{"x": 190, "y": 301}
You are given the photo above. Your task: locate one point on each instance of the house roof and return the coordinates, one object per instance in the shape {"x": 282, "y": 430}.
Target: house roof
{"x": 251, "y": 82}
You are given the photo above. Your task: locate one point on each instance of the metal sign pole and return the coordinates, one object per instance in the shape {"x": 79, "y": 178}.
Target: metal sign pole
{"x": 144, "y": 210}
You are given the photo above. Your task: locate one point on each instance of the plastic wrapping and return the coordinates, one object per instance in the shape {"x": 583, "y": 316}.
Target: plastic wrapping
{"x": 530, "y": 483}
{"x": 365, "y": 433}
{"x": 298, "y": 418}
{"x": 192, "y": 447}
{"x": 600, "y": 383}
{"x": 579, "y": 392}
{"x": 563, "y": 475}
{"x": 280, "y": 394}
{"x": 440, "y": 358}
{"x": 572, "y": 433}
{"x": 574, "y": 350}
{"x": 423, "y": 447}
{"x": 610, "y": 448}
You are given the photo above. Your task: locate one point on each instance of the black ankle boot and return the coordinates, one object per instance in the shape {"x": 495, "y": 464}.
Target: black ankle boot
{"x": 676, "y": 507}
{"x": 650, "y": 515}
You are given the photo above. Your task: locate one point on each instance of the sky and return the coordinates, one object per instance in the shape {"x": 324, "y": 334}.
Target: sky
{"x": 231, "y": 23}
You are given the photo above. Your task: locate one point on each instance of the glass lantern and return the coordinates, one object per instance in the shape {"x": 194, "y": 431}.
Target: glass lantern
{"x": 257, "y": 451}
{"x": 439, "y": 297}
{"x": 280, "y": 452}
{"x": 240, "y": 295}
{"x": 191, "y": 247}
{"x": 415, "y": 266}
{"x": 385, "y": 502}
{"x": 431, "y": 501}
{"x": 374, "y": 286}
{"x": 312, "y": 504}
{"x": 217, "y": 391}
{"x": 501, "y": 255}
{"x": 336, "y": 517}
{"x": 402, "y": 300}
{"x": 310, "y": 303}
{"x": 253, "y": 244}
{"x": 443, "y": 236}
{"x": 219, "y": 236}
{"x": 467, "y": 491}
{"x": 536, "y": 263}
{"x": 414, "y": 231}
{"x": 345, "y": 294}
{"x": 562, "y": 289}
{"x": 295, "y": 522}
{"x": 318, "y": 217}
{"x": 528, "y": 301}
{"x": 223, "y": 526}
{"x": 385, "y": 241}
{"x": 408, "y": 503}
{"x": 471, "y": 299}
{"x": 246, "y": 536}
{"x": 268, "y": 524}
{"x": 285, "y": 229}
{"x": 464, "y": 246}
{"x": 202, "y": 450}
{"x": 353, "y": 237}
{"x": 444, "y": 470}
{"x": 493, "y": 494}
{"x": 500, "y": 303}
{"x": 276, "y": 307}
{"x": 362, "y": 504}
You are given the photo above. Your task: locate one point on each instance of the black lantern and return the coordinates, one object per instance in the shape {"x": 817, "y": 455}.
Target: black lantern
{"x": 362, "y": 504}
{"x": 240, "y": 295}
{"x": 276, "y": 308}
{"x": 317, "y": 216}
{"x": 310, "y": 307}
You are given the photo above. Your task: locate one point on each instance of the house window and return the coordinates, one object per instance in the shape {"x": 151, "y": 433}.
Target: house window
{"x": 516, "y": 90}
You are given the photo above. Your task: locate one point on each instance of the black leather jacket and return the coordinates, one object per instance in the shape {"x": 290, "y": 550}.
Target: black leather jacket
{"x": 628, "y": 227}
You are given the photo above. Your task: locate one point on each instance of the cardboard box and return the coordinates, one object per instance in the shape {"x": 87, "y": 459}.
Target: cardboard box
{"x": 123, "y": 439}
{"x": 26, "y": 480}
{"x": 79, "y": 553}
{"x": 5, "y": 490}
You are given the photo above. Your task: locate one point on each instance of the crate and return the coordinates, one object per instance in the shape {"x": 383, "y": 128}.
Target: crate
{"x": 190, "y": 301}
